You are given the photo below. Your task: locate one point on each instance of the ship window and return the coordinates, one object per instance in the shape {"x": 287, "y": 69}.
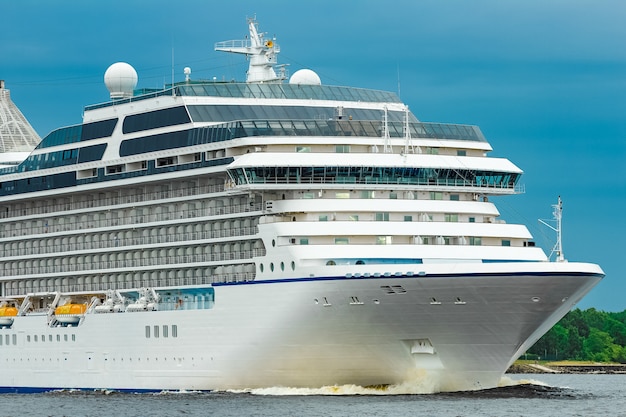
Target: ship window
{"x": 64, "y": 338}
{"x": 155, "y": 119}
{"x": 300, "y": 149}
{"x": 382, "y": 217}
{"x": 408, "y": 218}
{"x": 115, "y": 169}
{"x": 91, "y": 153}
{"x": 97, "y": 130}
{"x": 73, "y": 338}
{"x": 27, "y": 339}
{"x": 261, "y": 267}
{"x": 58, "y": 338}
{"x": 6, "y": 339}
{"x": 14, "y": 339}
{"x": 454, "y": 197}
{"x": 156, "y": 331}
{"x": 43, "y": 338}
{"x": 331, "y": 263}
{"x": 308, "y": 195}
{"x": 353, "y": 217}
{"x": 451, "y": 217}
{"x": 304, "y": 241}
{"x": 323, "y": 218}
{"x": 367, "y": 194}
{"x": 174, "y": 330}
{"x": 342, "y": 148}
{"x": 393, "y": 196}
{"x": 475, "y": 241}
{"x": 272, "y": 266}
{"x": 472, "y": 219}
{"x": 165, "y": 331}
{"x": 342, "y": 195}
{"x": 461, "y": 153}
{"x": 282, "y": 266}
{"x": 506, "y": 242}
{"x": 293, "y": 266}
{"x": 49, "y": 338}
{"x": 342, "y": 241}
{"x": 163, "y": 162}
{"x": 434, "y": 195}
{"x": 147, "y": 332}
{"x": 1, "y": 340}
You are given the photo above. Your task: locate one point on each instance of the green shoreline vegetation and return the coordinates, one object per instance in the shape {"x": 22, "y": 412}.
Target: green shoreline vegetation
{"x": 584, "y": 335}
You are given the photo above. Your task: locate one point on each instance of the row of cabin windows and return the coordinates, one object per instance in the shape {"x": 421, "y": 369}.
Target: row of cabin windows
{"x": 282, "y": 265}
{"x": 35, "y": 338}
{"x": 433, "y": 195}
{"x": 425, "y": 240}
{"x": 384, "y": 217}
{"x": 346, "y": 149}
{"x": 12, "y": 339}
{"x": 8, "y": 339}
{"x": 166, "y": 331}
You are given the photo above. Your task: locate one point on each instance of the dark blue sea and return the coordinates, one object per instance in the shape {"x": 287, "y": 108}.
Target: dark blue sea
{"x": 520, "y": 395}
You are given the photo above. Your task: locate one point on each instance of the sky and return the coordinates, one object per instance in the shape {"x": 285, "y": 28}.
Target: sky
{"x": 545, "y": 80}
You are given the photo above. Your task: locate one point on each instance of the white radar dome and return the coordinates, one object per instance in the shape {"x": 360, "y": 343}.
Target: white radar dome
{"x": 120, "y": 79}
{"x": 305, "y": 76}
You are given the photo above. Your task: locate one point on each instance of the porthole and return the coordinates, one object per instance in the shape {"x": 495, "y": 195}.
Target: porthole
{"x": 360, "y": 262}
{"x": 330, "y": 263}
{"x": 293, "y": 266}
{"x": 272, "y": 266}
{"x": 261, "y": 267}
{"x": 273, "y": 242}
{"x": 282, "y": 266}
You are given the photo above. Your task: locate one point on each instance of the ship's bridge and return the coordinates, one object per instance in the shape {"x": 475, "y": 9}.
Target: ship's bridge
{"x": 492, "y": 175}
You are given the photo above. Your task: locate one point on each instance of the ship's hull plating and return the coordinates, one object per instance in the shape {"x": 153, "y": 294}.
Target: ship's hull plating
{"x": 459, "y": 332}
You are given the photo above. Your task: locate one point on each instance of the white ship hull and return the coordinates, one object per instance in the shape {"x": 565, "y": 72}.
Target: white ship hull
{"x": 461, "y": 332}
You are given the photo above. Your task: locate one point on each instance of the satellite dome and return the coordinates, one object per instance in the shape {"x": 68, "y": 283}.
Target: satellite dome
{"x": 120, "y": 79}
{"x": 305, "y": 76}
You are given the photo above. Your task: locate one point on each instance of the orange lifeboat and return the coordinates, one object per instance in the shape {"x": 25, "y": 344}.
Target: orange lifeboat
{"x": 70, "y": 309}
{"x": 69, "y": 314}
{"x": 8, "y": 311}
{"x": 6, "y": 316}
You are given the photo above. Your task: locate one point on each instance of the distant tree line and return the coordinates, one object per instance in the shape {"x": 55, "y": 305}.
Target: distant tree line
{"x": 588, "y": 335}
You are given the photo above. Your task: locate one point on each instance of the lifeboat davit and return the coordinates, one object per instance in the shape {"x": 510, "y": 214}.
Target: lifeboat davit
{"x": 6, "y": 316}
{"x": 70, "y": 314}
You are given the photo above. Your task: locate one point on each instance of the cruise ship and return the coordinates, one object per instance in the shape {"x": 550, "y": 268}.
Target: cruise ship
{"x": 219, "y": 235}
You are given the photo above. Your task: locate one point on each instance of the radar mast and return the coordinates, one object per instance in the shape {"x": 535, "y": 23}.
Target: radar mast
{"x": 261, "y": 53}
{"x": 556, "y": 217}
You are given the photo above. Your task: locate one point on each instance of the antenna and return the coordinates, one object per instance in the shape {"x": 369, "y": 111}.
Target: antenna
{"x": 408, "y": 143}
{"x": 386, "y": 137}
{"x": 557, "y": 216}
{"x": 398, "y": 67}
{"x": 173, "y": 90}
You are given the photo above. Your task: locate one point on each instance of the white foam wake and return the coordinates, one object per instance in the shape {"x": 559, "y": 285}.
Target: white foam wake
{"x": 420, "y": 383}
{"x": 417, "y": 383}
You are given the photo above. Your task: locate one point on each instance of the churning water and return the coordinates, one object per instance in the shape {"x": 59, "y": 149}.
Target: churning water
{"x": 518, "y": 395}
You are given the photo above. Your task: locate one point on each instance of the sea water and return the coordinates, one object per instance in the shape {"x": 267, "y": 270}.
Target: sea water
{"x": 518, "y": 395}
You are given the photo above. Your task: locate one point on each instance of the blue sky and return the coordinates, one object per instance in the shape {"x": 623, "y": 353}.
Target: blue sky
{"x": 544, "y": 79}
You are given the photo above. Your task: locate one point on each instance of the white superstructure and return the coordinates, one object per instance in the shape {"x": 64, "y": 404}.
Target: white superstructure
{"x": 237, "y": 235}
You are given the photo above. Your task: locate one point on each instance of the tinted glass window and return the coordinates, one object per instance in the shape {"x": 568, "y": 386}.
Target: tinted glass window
{"x": 155, "y": 119}
{"x": 100, "y": 129}
{"x": 91, "y": 153}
